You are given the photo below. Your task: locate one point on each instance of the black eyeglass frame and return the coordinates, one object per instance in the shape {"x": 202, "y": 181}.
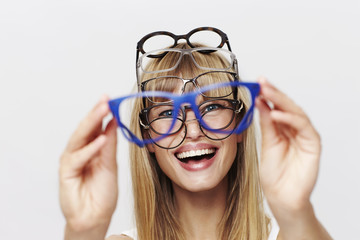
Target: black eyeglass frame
{"x": 237, "y": 107}
{"x": 193, "y": 81}
{"x": 140, "y": 44}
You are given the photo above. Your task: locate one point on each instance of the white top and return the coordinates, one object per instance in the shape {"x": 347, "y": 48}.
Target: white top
{"x": 273, "y": 234}
{"x": 131, "y": 233}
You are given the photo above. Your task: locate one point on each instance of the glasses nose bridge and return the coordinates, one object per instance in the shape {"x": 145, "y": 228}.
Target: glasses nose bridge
{"x": 186, "y": 81}
{"x": 179, "y": 37}
{"x": 188, "y": 109}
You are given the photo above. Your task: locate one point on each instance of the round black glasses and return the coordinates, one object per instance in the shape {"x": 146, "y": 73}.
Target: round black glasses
{"x": 170, "y": 40}
{"x": 218, "y": 114}
{"x": 178, "y": 85}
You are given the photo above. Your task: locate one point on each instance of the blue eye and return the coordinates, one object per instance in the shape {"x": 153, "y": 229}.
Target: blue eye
{"x": 212, "y": 107}
{"x": 167, "y": 113}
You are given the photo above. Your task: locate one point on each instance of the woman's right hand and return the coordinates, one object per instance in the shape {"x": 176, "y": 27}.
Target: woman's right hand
{"x": 88, "y": 176}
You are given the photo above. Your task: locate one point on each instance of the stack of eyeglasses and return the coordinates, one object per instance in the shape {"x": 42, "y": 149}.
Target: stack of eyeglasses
{"x": 213, "y": 38}
{"x": 168, "y": 100}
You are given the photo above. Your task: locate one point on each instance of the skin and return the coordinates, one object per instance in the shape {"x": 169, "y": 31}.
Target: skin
{"x": 88, "y": 176}
{"x": 288, "y": 171}
{"x": 203, "y": 180}
{"x": 289, "y": 166}
{"x": 200, "y": 196}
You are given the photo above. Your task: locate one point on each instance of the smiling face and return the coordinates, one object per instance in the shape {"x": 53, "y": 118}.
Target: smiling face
{"x": 198, "y": 164}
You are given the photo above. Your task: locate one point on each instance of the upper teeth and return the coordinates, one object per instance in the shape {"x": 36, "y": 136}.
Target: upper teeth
{"x": 193, "y": 153}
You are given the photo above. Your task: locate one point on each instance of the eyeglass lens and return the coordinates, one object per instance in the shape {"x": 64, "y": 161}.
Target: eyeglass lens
{"x": 217, "y": 114}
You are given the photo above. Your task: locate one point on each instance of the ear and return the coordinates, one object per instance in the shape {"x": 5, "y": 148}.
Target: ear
{"x": 239, "y": 138}
{"x": 150, "y": 147}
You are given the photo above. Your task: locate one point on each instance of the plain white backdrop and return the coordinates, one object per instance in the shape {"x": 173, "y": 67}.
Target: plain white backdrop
{"x": 58, "y": 57}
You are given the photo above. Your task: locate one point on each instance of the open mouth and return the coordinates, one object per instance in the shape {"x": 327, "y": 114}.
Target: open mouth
{"x": 196, "y": 155}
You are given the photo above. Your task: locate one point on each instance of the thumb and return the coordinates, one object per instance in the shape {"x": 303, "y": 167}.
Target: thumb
{"x": 108, "y": 152}
{"x": 268, "y": 129}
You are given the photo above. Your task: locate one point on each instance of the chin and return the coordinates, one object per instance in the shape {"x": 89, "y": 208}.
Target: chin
{"x": 198, "y": 188}
{"x": 200, "y": 182}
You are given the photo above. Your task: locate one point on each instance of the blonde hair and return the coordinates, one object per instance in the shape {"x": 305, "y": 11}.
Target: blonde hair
{"x": 155, "y": 215}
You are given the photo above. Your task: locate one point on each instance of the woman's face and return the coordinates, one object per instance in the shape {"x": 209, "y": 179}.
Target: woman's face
{"x": 198, "y": 164}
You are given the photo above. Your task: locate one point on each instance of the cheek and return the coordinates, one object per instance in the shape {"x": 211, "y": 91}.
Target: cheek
{"x": 170, "y": 141}
{"x": 163, "y": 159}
{"x": 231, "y": 149}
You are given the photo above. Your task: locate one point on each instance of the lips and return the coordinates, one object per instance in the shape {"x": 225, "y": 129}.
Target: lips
{"x": 196, "y": 157}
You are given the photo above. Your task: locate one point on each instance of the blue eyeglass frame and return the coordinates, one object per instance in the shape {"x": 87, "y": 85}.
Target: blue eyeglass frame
{"x": 189, "y": 98}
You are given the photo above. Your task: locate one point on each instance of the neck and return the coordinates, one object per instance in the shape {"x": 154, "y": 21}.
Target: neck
{"x": 200, "y": 212}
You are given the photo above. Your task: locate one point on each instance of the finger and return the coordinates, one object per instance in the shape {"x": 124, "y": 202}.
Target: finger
{"x": 280, "y": 100}
{"x": 108, "y": 152}
{"x": 268, "y": 128}
{"x": 76, "y": 161}
{"x": 90, "y": 127}
{"x": 293, "y": 120}
{"x": 301, "y": 124}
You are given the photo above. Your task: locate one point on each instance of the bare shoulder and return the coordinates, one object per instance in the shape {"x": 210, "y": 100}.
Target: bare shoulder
{"x": 119, "y": 237}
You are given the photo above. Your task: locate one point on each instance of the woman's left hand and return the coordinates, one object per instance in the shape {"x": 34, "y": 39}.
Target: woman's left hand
{"x": 289, "y": 165}
{"x": 290, "y": 150}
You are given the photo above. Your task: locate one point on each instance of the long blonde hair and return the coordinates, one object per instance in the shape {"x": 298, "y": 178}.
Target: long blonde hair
{"x": 155, "y": 215}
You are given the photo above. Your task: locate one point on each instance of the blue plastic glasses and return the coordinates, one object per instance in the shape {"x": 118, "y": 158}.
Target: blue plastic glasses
{"x": 164, "y": 119}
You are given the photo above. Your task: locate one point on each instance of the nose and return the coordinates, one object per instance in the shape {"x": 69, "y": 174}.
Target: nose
{"x": 192, "y": 126}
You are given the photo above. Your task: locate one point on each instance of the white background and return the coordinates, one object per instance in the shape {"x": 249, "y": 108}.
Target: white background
{"x": 58, "y": 57}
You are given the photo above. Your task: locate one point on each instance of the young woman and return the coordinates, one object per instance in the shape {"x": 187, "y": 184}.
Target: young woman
{"x": 196, "y": 184}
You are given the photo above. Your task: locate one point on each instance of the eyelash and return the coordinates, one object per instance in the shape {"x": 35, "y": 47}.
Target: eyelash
{"x": 162, "y": 114}
{"x": 205, "y": 109}
{"x": 217, "y": 106}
